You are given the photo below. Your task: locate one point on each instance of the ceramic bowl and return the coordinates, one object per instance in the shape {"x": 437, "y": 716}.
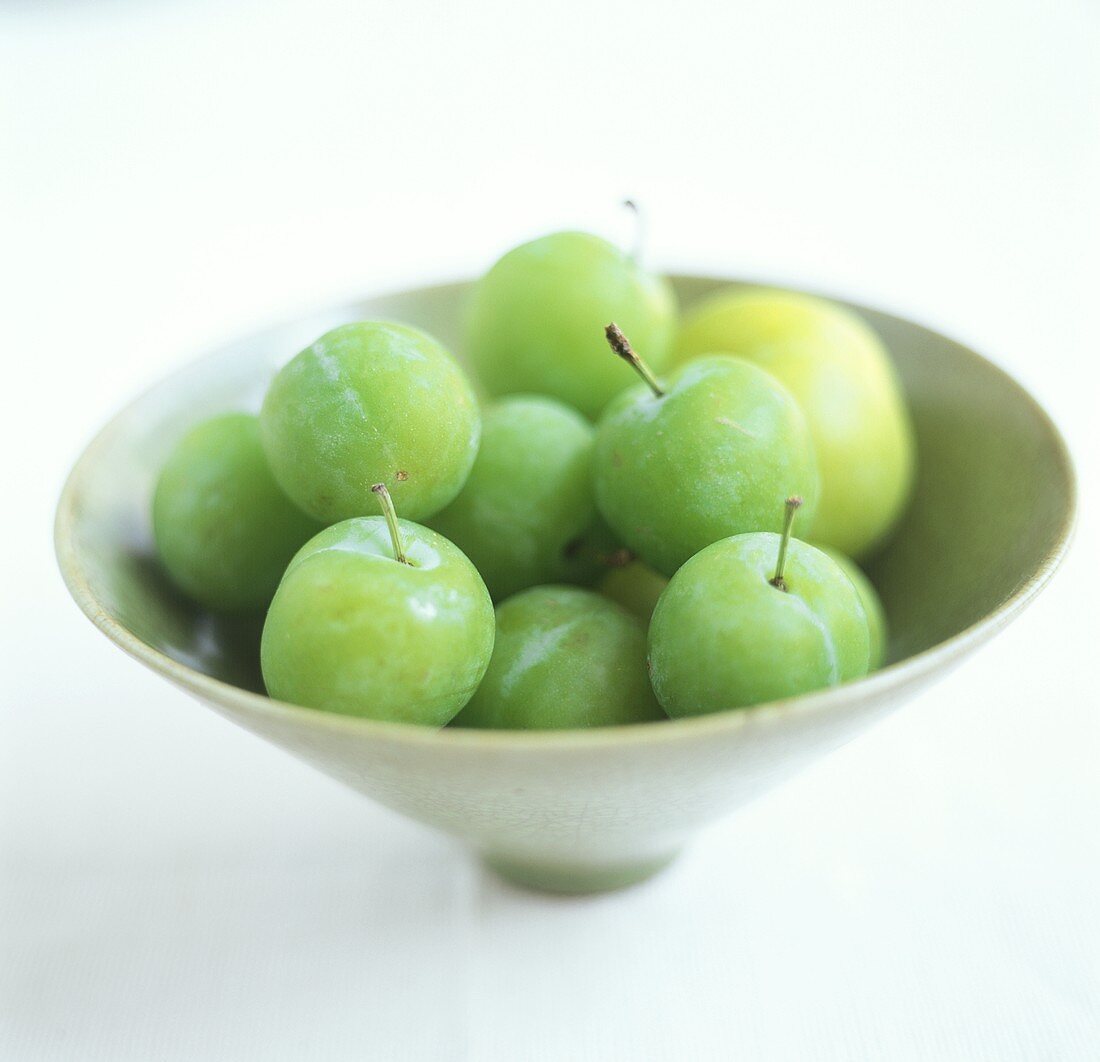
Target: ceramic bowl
{"x": 588, "y": 810}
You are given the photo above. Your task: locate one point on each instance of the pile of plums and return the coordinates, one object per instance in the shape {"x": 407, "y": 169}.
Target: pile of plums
{"x": 622, "y": 485}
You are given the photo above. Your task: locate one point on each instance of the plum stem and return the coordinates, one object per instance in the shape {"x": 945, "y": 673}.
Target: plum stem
{"x": 791, "y": 507}
{"x": 639, "y": 230}
{"x": 621, "y": 346}
{"x": 390, "y": 514}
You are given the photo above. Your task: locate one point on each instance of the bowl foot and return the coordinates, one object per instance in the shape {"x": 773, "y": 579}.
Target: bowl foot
{"x": 573, "y": 877}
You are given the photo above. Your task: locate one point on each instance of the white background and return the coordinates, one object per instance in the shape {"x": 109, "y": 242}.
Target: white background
{"x": 175, "y": 171}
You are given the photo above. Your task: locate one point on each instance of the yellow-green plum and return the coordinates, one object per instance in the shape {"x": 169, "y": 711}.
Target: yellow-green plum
{"x": 379, "y": 618}
{"x": 872, "y": 605}
{"x": 709, "y": 451}
{"x": 371, "y": 402}
{"x": 223, "y": 529}
{"x": 564, "y": 658}
{"x": 635, "y": 586}
{"x": 536, "y": 316}
{"x": 529, "y": 498}
{"x": 754, "y": 618}
{"x": 841, "y": 374}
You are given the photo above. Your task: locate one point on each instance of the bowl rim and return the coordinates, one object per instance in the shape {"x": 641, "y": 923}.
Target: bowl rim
{"x": 874, "y": 686}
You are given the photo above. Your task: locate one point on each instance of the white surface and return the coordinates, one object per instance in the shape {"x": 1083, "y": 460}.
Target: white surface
{"x": 176, "y": 170}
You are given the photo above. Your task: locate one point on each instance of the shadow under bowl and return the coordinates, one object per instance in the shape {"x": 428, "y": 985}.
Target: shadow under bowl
{"x": 581, "y": 811}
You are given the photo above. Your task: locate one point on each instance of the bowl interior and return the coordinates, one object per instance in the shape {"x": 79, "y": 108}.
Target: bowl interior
{"x": 990, "y": 516}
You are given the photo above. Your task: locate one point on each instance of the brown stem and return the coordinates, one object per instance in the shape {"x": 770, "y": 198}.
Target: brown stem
{"x": 621, "y": 346}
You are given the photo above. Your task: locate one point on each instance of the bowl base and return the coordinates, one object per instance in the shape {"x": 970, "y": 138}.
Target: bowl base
{"x": 575, "y": 878}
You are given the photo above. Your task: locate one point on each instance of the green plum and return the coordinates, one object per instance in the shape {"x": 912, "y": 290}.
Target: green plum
{"x": 371, "y": 402}
{"x": 710, "y": 452}
{"x": 535, "y": 319}
{"x": 635, "y": 586}
{"x": 564, "y": 658}
{"x": 872, "y": 605}
{"x": 379, "y": 618}
{"x": 529, "y": 499}
{"x": 841, "y": 374}
{"x": 753, "y": 618}
{"x": 223, "y": 529}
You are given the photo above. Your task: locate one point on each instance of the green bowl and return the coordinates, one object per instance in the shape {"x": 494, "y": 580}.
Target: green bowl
{"x": 582, "y": 811}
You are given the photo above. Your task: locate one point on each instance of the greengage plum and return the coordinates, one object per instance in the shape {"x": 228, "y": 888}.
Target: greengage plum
{"x": 379, "y": 618}
{"x": 710, "y": 451}
{"x": 223, "y": 528}
{"x": 529, "y": 499}
{"x": 371, "y": 402}
{"x": 753, "y": 618}
{"x": 536, "y": 316}
{"x": 564, "y": 658}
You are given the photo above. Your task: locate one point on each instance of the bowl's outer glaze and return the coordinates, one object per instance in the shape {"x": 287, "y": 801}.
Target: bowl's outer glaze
{"x": 584, "y": 810}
